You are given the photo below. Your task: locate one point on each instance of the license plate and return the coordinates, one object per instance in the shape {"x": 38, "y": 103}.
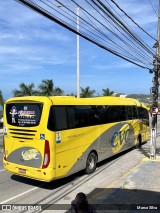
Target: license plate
{"x": 22, "y": 171}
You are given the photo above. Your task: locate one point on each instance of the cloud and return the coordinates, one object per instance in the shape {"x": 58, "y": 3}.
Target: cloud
{"x": 24, "y": 24}
{"x": 139, "y": 11}
{"x": 114, "y": 66}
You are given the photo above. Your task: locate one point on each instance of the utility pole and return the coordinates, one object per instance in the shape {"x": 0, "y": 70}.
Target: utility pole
{"x": 78, "y": 56}
{"x": 154, "y": 91}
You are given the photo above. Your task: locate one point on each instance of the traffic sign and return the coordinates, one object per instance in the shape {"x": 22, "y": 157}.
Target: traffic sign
{"x": 154, "y": 110}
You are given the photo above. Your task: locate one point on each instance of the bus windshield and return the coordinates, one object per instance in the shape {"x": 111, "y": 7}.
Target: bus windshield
{"x": 24, "y": 114}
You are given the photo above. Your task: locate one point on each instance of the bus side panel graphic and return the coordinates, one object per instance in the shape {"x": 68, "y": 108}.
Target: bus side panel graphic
{"x": 116, "y": 139}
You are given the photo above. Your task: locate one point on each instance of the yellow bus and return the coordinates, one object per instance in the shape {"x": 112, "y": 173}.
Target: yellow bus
{"x": 47, "y": 138}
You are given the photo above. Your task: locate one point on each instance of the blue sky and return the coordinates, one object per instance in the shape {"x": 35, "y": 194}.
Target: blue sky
{"x": 33, "y": 48}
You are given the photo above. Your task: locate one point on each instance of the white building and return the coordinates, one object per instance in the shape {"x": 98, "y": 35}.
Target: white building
{"x": 123, "y": 96}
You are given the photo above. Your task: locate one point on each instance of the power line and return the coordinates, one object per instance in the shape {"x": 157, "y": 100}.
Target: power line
{"x": 133, "y": 20}
{"x": 117, "y": 39}
{"x": 153, "y": 8}
{"x": 97, "y": 11}
{"x": 127, "y": 44}
{"x": 123, "y": 26}
{"x": 101, "y": 33}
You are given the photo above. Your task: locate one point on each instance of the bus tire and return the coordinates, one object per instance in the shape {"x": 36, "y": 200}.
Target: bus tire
{"x": 139, "y": 142}
{"x": 91, "y": 163}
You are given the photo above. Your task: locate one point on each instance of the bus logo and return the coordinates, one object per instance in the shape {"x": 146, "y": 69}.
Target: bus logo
{"x": 30, "y": 154}
{"x": 121, "y": 137}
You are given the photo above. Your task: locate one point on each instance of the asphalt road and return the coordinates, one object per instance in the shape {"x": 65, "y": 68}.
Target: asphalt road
{"x": 18, "y": 190}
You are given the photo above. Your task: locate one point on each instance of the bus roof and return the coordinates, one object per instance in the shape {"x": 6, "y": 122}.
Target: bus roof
{"x": 71, "y": 100}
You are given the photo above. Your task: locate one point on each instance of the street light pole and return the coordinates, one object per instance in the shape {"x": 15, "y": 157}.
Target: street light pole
{"x": 78, "y": 53}
{"x": 78, "y": 56}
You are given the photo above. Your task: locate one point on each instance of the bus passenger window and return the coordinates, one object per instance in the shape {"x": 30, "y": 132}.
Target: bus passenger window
{"x": 81, "y": 116}
{"x": 94, "y": 118}
{"x": 122, "y": 113}
{"x": 60, "y": 117}
{"x": 71, "y": 117}
{"x": 135, "y": 114}
{"x": 115, "y": 114}
{"x": 102, "y": 114}
{"x": 143, "y": 115}
{"x": 51, "y": 120}
{"x": 129, "y": 113}
{"x": 107, "y": 116}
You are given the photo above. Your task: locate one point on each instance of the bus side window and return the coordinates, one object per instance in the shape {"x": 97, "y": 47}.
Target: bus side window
{"x": 81, "y": 116}
{"x": 107, "y": 114}
{"x": 140, "y": 112}
{"x": 115, "y": 114}
{"x": 51, "y": 120}
{"x": 102, "y": 115}
{"x": 143, "y": 115}
{"x": 122, "y": 113}
{"x": 129, "y": 113}
{"x": 71, "y": 117}
{"x": 60, "y": 117}
{"x": 94, "y": 118}
{"x": 135, "y": 113}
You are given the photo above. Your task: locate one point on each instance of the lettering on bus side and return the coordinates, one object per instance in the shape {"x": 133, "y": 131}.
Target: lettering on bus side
{"x": 120, "y": 137}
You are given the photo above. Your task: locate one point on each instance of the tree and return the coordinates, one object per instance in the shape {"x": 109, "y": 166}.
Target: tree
{"x": 107, "y": 92}
{"x": 46, "y": 88}
{"x": 1, "y": 99}
{"x": 25, "y": 90}
{"x": 58, "y": 91}
{"x": 71, "y": 94}
{"x": 1, "y": 104}
{"x": 87, "y": 93}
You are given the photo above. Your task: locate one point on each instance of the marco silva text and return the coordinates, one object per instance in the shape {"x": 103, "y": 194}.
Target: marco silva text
{"x": 147, "y": 207}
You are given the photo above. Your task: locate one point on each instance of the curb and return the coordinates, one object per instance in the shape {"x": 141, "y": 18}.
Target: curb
{"x": 152, "y": 160}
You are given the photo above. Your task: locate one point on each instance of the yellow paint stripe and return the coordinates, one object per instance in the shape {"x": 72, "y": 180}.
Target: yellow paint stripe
{"x": 148, "y": 159}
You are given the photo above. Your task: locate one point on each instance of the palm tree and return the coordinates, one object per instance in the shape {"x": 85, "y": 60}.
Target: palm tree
{"x": 107, "y": 92}
{"x": 46, "y": 88}
{"x": 58, "y": 91}
{"x": 25, "y": 90}
{"x": 1, "y": 99}
{"x": 86, "y": 92}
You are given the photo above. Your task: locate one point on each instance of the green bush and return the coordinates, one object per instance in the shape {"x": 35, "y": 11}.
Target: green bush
{"x": 1, "y": 114}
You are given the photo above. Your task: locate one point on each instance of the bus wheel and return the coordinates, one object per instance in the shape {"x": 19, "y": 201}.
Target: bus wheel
{"x": 139, "y": 143}
{"x": 91, "y": 163}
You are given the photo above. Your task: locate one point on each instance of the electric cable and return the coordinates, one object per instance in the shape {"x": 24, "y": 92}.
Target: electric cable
{"x": 119, "y": 39}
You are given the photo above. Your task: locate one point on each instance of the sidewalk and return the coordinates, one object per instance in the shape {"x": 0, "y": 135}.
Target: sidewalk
{"x": 136, "y": 191}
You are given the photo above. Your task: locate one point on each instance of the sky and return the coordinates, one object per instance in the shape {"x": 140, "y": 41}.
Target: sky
{"x": 33, "y": 48}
